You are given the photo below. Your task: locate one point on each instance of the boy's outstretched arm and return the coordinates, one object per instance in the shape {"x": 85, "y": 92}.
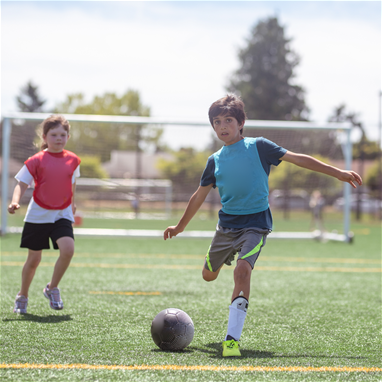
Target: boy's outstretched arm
{"x": 192, "y": 208}
{"x": 314, "y": 164}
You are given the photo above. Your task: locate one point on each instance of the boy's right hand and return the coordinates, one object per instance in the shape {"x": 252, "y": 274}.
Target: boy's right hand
{"x": 13, "y": 207}
{"x": 171, "y": 232}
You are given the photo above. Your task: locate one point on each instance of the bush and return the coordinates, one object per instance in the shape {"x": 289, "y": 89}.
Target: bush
{"x": 91, "y": 167}
{"x": 373, "y": 180}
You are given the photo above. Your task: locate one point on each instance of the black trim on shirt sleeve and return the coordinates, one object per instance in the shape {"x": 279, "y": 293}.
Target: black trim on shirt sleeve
{"x": 208, "y": 176}
{"x": 269, "y": 152}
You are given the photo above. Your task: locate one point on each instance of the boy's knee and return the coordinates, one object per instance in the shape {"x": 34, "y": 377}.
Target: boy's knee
{"x": 243, "y": 270}
{"x": 208, "y": 275}
{"x": 208, "y": 278}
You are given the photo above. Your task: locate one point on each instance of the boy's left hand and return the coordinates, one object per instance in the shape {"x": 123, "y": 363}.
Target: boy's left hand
{"x": 350, "y": 177}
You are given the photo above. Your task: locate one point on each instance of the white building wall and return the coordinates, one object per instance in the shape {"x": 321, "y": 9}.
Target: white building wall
{"x": 123, "y": 164}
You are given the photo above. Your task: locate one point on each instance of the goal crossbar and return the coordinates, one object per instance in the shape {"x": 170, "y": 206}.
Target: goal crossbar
{"x": 132, "y": 120}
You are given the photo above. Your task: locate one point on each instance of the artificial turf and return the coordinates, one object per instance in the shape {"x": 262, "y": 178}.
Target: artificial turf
{"x": 312, "y": 305}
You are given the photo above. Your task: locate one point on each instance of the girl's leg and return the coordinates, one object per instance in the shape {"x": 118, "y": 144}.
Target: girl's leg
{"x": 29, "y": 270}
{"x": 66, "y": 247}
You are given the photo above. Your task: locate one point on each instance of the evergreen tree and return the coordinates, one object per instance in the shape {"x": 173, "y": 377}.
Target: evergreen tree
{"x": 24, "y": 135}
{"x": 264, "y": 79}
{"x": 29, "y": 99}
{"x": 265, "y": 83}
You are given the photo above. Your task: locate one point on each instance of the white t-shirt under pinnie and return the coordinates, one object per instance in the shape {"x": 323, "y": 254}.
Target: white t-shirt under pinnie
{"x": 35, "y": 213}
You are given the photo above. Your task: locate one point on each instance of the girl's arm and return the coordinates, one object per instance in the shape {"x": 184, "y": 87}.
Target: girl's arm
{"x": 17, "y": 195}
{"x": 314, "y": 164}
{"x": 192, "y": 208}
{"x": 74, "y": 207}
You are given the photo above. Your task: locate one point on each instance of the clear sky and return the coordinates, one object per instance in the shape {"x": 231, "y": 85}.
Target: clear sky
{"x": 179, "y": 55}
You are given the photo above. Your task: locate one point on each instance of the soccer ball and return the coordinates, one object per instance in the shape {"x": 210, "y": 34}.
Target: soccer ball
{"x": 172, "y": 329}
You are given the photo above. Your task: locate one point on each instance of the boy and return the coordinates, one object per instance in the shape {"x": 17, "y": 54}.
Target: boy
{"x": 240, "y": 170}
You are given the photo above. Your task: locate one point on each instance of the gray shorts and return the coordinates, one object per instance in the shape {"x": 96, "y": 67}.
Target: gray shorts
{"x": 229, "y": 241}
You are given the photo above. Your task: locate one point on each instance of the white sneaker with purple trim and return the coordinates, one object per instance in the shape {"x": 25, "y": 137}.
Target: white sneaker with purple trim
{"x": 21, "y": 303}
{"x": 54, "y": 297}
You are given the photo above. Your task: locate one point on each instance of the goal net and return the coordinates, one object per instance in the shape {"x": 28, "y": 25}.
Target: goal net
{"x": 127, "y": 174}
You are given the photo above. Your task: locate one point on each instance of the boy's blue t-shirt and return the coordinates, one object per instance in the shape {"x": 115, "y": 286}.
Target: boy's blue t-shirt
{"x": 240, "y": 171}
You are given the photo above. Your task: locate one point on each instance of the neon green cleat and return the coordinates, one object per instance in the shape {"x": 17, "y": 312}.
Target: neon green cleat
{"x": 231, "y": 349}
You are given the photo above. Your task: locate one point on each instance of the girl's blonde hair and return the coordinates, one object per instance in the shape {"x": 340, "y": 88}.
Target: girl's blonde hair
{"x": 50, "y": 123}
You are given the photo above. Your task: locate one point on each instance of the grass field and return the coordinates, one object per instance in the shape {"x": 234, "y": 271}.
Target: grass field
{"x": 314, "y": 312}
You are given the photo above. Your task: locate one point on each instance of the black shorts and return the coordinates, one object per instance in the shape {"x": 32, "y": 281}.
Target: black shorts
{"x": 36, "y": 236}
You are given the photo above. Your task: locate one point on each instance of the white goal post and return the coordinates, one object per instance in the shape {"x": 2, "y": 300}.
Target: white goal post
{"x": 346, "y": 144}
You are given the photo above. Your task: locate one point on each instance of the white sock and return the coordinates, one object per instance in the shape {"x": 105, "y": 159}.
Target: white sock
{"x": 236, "y": 318}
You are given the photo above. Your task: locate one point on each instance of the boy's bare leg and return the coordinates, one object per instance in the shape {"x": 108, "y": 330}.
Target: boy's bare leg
{"x": 237, "y": 309}
{"x": 66, "y": 246}
{"x": 210, "y": 276}
{"x": 242, "y": 279}
{"x": 29, "y": 270}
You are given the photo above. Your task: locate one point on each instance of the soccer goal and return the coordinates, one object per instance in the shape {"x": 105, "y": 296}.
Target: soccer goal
{"x": 120, "y": 180}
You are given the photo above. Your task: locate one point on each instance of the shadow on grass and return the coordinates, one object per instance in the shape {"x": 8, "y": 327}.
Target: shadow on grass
{"x": 189, "y": 349}
{"x": 51, "y": 319}
{"x": 216, "y": 352}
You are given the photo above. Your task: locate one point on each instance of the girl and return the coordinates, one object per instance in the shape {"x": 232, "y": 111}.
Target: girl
{"x": 51, "y": 210}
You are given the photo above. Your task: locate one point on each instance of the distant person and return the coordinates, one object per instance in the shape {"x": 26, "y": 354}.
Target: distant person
{"x": 240, "y": 170}
{"x": 50, "y": 212}
{"x": 316, "y": 204}
{"x": 135, "y": 205}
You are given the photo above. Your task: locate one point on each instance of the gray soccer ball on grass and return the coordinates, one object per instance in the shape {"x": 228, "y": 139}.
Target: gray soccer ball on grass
{"x": 172, "y": 329}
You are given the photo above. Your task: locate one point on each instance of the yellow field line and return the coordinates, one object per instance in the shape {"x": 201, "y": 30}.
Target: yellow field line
{"x": 199, "y": 257}
{"x": 128, "y": 293}
{"x": 319, "y": 269}
{"x": 191, "y": 368}
{"x": 321, "y": 260}
{"x": 106, "y": 265}
{"x": 168, "y": 266}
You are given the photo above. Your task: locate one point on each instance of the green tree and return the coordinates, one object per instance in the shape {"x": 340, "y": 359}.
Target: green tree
{"x": 102, "y": 138}
{"x": 300, "y": 178}
{"x": 91, "y": 167}
{"x": 264, "y": 79}
{"x": 373, "y": 179}
{"x": 265, "y": 82}
{"x": 371, "y": 151}
{"x": 29, "y": 99}
{"x": 364, "y": 149}
{"x": 184, "y": 171}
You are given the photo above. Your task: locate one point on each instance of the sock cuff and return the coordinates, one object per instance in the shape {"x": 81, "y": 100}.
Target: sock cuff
{"x": 240, "y": 297}
{"x": 240, "y": 303}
